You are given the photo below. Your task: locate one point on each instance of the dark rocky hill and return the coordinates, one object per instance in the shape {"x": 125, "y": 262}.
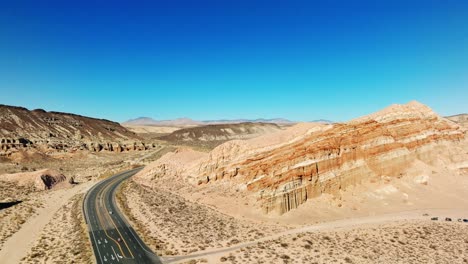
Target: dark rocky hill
{"x": 22, "y": 128}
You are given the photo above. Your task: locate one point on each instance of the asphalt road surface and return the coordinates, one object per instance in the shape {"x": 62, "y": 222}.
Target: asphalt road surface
{"x": 112, "y": 238}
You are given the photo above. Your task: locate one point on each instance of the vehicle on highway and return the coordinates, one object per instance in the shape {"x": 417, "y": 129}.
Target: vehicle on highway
{"x": 435, "y": 218}
{"x": 448, "y": 219}
{"x": 465, "y": 220}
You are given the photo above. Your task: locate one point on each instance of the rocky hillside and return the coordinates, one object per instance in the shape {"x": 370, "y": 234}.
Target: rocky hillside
{"x": 221, "y": 133}
{"x": 22, "y": 128}
{"x": 326, "y": 158}
{"x": 461, "y": 119}
{"x": 38, "y": 180}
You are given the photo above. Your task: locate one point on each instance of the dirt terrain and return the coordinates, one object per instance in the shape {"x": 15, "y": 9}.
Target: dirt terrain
{"x": 27, "y": 232}
{"x": 173, "y": 225}
{"x": 403, "y": 158}
{"x": 242, "y": 201}
{"x": 26, "y": 211}
{"x": 353, "y": 240}
{"x": 399, "y": 242}
{"x": 17, "y": 206}
{"x": 64, "y": 239}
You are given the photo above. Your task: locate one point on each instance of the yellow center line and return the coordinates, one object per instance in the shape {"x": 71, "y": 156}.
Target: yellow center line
{"x": 105, "y": 231}
{"x": 105, "y": 189}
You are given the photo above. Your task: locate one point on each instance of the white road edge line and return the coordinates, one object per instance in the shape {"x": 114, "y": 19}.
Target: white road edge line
{"x": 127, "y": 225}
{"x": 86, "y": 207}
{"x": 117, "y": 257}
{"x": 89, "y": 221}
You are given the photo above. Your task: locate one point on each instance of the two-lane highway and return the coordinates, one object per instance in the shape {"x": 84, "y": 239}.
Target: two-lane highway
{"x": 112, "y": 238}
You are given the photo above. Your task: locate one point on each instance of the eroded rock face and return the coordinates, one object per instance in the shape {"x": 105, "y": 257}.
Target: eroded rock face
{"x": 39, "y": 180}
{"x": 11, "y": 145}
{"x": 332, "y": 157}
{"x": 342, "y": 155}
{"x": 54, "y": 131}
{"x": 39, "y": 124}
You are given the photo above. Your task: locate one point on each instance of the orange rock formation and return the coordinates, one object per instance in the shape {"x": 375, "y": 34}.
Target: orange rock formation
{"x": 331, "y": 157}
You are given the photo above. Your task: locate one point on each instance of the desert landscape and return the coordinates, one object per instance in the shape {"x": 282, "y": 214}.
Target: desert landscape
{"x": 166, "y": 132}
{"x": 410, "y": 164}
{"x": 246, "y": 192}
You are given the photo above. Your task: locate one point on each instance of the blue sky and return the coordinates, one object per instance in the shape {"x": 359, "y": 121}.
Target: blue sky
{"x": 301, "y": 60}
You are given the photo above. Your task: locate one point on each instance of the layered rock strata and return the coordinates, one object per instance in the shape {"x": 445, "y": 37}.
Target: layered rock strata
{"x": 332, "y": 157}
{"x": 54, "y": 131}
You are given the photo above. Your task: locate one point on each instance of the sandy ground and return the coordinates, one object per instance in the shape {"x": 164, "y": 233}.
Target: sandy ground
{"x": 21, "y": 224}
{"x": 18, "y": 245}
{"x": 23, "y": 207}
{"x": 426, "y": 189}
{"x": 172, "y": 225}
{"x": 370, "y": 211}
{"x": 407, "y": 242}
{"x": 405, "y": 237}
{"x": 64, "y": 239}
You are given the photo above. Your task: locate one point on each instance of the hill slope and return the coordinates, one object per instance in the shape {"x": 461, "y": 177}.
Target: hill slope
{"x": 461, "y": 119}
{"x": 20, "y": 128}
{"x": 326, "y": 159}
{"x": 216, "y": 134}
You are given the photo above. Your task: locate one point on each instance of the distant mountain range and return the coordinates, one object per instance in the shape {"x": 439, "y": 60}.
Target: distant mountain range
{"x": 182, "y": 122}
{"x": 148, "y": 121}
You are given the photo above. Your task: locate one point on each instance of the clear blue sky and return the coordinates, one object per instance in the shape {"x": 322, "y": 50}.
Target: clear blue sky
{"x": 300, "y": 60}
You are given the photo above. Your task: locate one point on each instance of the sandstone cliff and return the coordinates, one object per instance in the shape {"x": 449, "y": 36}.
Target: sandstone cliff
{"x": 185, "y": 159}
{"x": 329, "y": 158}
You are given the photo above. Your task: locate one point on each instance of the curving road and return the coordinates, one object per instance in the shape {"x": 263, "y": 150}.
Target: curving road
{"x": 112, "y": 238}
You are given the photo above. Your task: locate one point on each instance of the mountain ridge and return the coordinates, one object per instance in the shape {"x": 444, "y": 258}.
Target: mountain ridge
{"x": 23, "y": 129}
{"x": 184, "y": 121}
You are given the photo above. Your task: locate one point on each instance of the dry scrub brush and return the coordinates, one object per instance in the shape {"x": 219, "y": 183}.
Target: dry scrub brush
{"x": 65, "y": 238}
{"x": 172, "y": 225}
{"x": 12, "y": 218}
{"x": 405, "y": 242}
